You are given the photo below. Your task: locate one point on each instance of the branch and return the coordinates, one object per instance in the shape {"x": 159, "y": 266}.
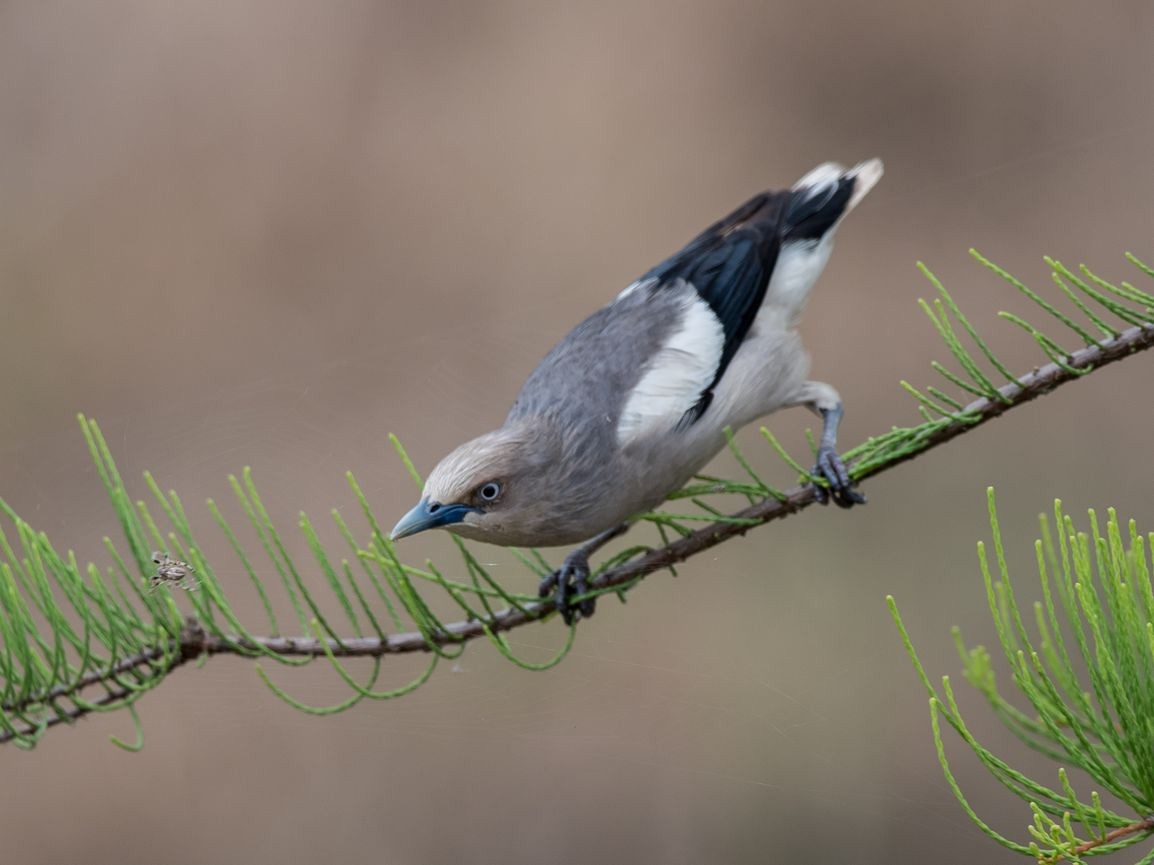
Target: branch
{"x": 29, "y": 707}
{"x": 1019, "y": 392}
{"x": 1144, "y": 825}
{"x": 152, "y": 660}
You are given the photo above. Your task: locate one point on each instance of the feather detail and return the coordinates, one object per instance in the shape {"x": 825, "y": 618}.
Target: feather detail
{"x": 866, "y": 175}
{"x": 822, "y": 198}
{"x": 729, "y": 266}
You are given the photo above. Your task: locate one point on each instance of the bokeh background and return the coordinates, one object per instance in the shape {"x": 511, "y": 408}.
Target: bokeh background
{"x": 268, "y": 233}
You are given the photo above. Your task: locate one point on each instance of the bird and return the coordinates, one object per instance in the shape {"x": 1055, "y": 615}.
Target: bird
{"x": 637, "y": 398}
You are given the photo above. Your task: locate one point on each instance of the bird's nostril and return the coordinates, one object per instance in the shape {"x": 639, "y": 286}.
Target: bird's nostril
{"x": 434, "y": 507}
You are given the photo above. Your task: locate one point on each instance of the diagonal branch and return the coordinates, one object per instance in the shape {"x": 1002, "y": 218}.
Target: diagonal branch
{"x": 196, "y": 642}
{"x": 1023, "y": 390}
{"x": 1146, "y": 824}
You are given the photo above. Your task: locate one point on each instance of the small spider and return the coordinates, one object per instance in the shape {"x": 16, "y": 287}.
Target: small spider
{"x": 172, "y": 572}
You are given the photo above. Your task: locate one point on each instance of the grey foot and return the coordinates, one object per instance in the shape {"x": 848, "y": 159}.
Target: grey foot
{"x": 830, "y": 466}
{"x": 572, "y": 578}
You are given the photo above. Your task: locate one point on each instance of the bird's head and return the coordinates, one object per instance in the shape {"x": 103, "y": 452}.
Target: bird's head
{"x": 487, "y": 489}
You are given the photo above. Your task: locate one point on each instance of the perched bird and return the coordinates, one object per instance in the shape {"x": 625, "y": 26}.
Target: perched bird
{"x": 634, "y": 400}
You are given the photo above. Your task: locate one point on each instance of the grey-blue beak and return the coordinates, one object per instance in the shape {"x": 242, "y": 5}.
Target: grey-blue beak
{"x": 428, "y": 515}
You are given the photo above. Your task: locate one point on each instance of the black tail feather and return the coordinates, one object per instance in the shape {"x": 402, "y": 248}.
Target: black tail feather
{"x": 814, "y": 211}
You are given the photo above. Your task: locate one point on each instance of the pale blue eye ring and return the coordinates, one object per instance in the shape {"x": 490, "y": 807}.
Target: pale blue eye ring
{"x": 489, "y": 491}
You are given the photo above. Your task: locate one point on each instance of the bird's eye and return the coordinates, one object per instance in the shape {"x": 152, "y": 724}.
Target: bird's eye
{"x": 489, "y": 492}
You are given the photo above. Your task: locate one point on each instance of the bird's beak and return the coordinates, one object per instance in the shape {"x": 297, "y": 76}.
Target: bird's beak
{"x": 428, "y": 515}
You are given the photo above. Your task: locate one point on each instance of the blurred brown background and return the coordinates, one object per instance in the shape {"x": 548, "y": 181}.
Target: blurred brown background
{"x": 269, "y": 233}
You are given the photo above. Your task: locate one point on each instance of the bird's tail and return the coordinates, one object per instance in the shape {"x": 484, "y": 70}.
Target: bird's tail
{"x": 826, "y": 194}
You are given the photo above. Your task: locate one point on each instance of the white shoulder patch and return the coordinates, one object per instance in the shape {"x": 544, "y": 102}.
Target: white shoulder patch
{"x": 675, "y": 377}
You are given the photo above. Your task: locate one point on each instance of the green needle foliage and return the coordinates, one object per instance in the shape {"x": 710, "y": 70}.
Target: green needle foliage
{"x": 1085, "y": 666}
{"x": 77, "y": 639}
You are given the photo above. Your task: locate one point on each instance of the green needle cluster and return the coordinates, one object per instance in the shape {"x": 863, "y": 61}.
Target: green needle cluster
{"x": 1082, "y": 659}
{"x": 77, "y": 639}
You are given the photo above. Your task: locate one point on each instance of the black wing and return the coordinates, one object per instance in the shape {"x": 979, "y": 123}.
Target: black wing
{"x": 730, "y": 264}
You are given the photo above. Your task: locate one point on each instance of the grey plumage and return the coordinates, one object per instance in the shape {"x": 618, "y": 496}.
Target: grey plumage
{"x": 634, "y": 400}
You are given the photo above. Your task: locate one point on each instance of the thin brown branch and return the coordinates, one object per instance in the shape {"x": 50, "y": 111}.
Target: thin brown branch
{"x": 69, "y": 714}
{"x": 115, "y": 691}
{"x": 1025, "y": 389}
{"x": 1144, "y": 825}
{"x": 195, "y": 642}
{"x": 95, "y": 677}
{"x": 1028, "y": 387}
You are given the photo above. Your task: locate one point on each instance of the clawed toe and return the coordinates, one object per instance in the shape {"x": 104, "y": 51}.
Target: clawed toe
{"x": 569, "y": 580}
{"x": 841, "y": 488}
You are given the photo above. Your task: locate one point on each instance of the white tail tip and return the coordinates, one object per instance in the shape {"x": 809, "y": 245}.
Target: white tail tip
{"x": 866, "y": 174}
{"x": 822, "y": 175}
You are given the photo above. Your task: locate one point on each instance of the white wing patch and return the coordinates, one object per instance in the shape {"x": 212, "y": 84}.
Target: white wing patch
{"x": 676, "y": 376}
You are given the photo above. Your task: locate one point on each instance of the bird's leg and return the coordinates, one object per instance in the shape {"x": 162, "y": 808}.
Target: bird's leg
{"x": 830, "y": 466}
{"x": 572, "y": 578}
{"x": 824, "y": 401}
